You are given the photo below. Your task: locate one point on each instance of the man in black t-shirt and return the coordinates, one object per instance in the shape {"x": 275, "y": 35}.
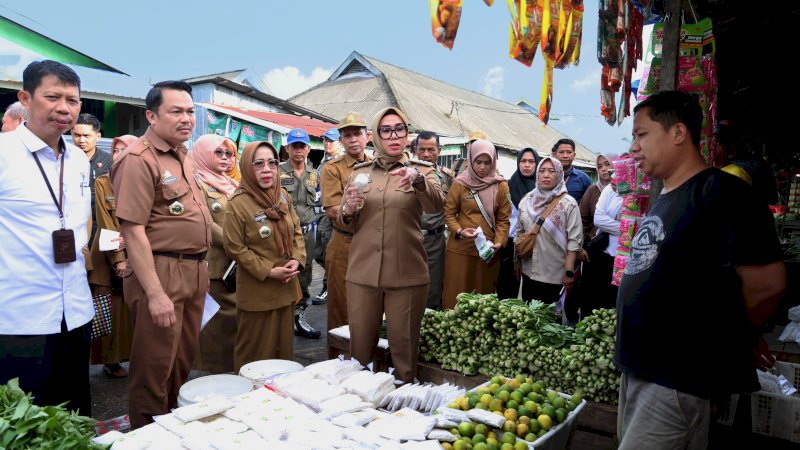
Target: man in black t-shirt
{"x": 705, "y": 272}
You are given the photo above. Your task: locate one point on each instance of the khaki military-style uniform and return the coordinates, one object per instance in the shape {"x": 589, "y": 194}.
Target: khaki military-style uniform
{"x": 335, "y": 175}
{"x": 115, "y": 347}
{"x": 304, "y": 194}
{"x": 264, "y": 305}
{"x": 218, "y": 337}
{"x": 434, "y": 240}
{"x": 465, "y": 271}
{"x": 156, "y": 187}
{"x": 388, "y": 271}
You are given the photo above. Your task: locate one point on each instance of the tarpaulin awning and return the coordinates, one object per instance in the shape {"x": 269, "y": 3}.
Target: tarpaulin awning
{"x": 279, "y": 122}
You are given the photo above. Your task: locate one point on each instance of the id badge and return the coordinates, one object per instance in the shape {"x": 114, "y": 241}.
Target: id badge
{"x": 64, "y": 246}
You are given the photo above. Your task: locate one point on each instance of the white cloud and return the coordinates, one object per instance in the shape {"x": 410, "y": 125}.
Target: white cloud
{"x": 287, "y": 81}
{"x": 493, "y": 82}
{"x": 592, "y": 79}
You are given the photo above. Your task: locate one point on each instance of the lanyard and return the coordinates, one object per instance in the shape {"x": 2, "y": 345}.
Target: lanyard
{"x": 60, "y": 186}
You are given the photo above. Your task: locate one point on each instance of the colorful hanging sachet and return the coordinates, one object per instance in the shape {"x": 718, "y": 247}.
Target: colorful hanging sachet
{"x": 619, "y": 47}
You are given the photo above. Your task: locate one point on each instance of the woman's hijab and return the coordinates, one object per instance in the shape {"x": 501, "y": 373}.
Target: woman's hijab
{"x": 539, "y": 198}
{"x": 274, "y": 204}
{"x": 204, "y": 161}
{"x": 610, "y": 157}
{"x": 519, "y": 184}
{"x": 485, "y": 186}
{"x": 384, "y": 159}
{"x": 126, "y": 139}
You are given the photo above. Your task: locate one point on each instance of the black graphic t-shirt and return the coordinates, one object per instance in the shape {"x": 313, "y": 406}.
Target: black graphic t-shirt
{"x": 681, "y": 319}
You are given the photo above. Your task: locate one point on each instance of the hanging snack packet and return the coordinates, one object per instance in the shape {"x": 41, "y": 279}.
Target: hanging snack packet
{"x": 620, "y": 261}
{"x": 628, "y": 227}
{"x": 445, "y": 18}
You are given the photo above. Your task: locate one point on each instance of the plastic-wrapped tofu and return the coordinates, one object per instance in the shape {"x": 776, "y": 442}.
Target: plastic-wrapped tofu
{"x": 355, "y": 419}
{"x": 149, "y": 436}
{"x": 107, "y": 438}
{"x": 456, "y": 415}
{"x": 423, "y": 445}
{"x": 210, "y": 406}
{"x": 483, "y": 416}
{"x": 179, "y": 427}
{"x": 312, "y": 392}
{"x": 334, "y": 370}
{"x": 342, "y": 404}
{"x": 437, "y": 434}
{"x": 221, "y": 424}
{"x": 242, "y": 441}
{"x": 371, "y": 387}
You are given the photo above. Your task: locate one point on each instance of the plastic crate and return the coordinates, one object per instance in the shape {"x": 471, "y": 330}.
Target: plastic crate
{"x": 557, "y": 437}
{"x": 777, "y": 415}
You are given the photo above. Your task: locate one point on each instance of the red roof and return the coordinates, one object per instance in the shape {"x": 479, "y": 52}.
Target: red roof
{"x": 313, "y": 127}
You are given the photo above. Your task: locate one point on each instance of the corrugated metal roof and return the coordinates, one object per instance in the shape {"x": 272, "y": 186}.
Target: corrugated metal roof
{"x": 285, "y": 121}
{"x": 430, "y": 104}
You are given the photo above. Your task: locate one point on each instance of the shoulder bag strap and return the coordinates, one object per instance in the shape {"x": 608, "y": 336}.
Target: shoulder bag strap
{"x": 480, "y": 206}
{"x": 543, "y": 217}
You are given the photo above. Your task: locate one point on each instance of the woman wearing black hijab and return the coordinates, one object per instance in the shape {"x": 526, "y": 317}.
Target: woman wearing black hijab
{"x": 522, "y": 182}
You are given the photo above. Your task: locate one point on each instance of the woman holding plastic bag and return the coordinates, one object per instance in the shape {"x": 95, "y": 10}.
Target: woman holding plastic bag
{"x": 549, "y": 235}
{"x": 477, "y": 212}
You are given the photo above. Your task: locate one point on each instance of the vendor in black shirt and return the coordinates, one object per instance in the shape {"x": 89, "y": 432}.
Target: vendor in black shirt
{"x": 705, "y": 272}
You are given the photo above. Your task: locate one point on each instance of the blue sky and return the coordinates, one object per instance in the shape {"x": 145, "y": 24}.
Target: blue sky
{"x": 297, "y": 44}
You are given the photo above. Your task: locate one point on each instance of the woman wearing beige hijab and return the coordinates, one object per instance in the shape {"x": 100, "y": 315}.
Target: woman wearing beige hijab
{"x": 212, "y": 155}
{"x": 388, "y": 270}
{"x": 478, "y": 198}
{"x": 262, "y": 233}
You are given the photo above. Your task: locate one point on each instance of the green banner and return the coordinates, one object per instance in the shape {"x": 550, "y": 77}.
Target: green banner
{"x": 223, "y": 125}
{"x": 252, "y": 133}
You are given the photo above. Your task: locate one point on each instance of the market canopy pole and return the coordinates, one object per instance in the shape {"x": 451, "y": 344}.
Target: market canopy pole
{"x": 47, "y": 47}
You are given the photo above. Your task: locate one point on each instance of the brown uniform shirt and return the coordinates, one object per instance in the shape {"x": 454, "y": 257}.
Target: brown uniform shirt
{"x": 335, "y": 175}
{"x": 303, "y": 190}
{"x": 387, "y": 249}
{"x": 461, "y": 211}
{"x": 256, "y": 256}
{"x": 217, "y": 202}
{"x": 432, "y": 221}
{"x": 150, "y": 176}
{"x": 105, "y": 212}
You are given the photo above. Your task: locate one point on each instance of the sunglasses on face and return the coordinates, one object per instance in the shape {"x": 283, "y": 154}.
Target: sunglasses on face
{"x": 386, "y": 131}
{"x": 223, "y": 154}
{"x": 260, "y": 163}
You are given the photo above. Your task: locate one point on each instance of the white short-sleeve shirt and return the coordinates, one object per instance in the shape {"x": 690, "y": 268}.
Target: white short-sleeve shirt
{"x": 35, "y": 292}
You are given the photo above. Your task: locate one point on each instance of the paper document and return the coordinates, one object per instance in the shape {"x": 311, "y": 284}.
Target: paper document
{"x": 209, "y": 309}
{"x": 106, "y": 242}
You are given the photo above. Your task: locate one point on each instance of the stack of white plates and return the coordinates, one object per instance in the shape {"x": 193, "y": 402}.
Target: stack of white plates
{"x": 220, "y": 385}
{"x": 262, "y": 372}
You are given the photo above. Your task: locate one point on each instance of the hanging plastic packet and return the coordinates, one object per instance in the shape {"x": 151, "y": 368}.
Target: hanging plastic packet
{"x": 620, "y": 261}
{"x": 445, "y": 18}
{"x": 484, "y": 246}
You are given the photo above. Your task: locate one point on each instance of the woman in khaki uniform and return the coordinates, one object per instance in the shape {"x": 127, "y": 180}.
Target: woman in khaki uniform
{"x": 388, "y": 268}
{"x": 105, "y": 276}
{"x": 464, "y": 270}
{"x": 211, "y": 155}
{"x": 262, "y": 233}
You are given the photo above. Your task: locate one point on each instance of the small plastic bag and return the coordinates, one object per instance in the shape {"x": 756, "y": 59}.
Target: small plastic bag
{"x": 484, "y": 246}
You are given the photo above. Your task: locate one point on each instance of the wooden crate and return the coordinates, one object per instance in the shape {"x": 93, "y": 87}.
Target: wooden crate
{"x": 381, "y": 358}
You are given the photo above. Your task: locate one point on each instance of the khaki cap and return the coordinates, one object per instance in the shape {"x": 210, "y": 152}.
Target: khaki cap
{"x": 352, "y": 119}
{"x": 475, "y": 135}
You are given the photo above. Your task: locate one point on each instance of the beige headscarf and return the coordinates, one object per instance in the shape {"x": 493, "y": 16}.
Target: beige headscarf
{"x": 203, "y": 156}
{"x": 126, "y": 139}
{"x": 275, "y": 207}
{"x": 383, "y": 158}
{"x": 486, "y": 186}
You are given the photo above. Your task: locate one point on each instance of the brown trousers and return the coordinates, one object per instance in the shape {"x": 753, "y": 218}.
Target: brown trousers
{"x": 337, "y": 256}
{"x": 264, "y": 335}
{"x": 217, "y": 338}
{"x": 116, "y": 347}
{"x": 162, "y": 357}
{"x": 404, "y": 308}
{"x": 465, "y": 273}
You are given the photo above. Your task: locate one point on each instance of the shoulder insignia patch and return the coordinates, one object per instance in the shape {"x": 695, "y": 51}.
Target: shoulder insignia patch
{"x": 421, "y": 162}
{"x": 363, "y": 164}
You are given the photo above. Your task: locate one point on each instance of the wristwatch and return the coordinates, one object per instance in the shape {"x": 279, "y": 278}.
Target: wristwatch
{"x": 419, "y": 179}
{"x": 570, "y": 274}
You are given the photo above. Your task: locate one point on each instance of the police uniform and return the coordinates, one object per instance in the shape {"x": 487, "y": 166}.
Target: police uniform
{"x": 219, "y": 335}
{"x": 156, "y": 187}
{"x": 434, "y": 241}
{"x": 387, "y": 272}
{"x": 335, "y": 176}
{"x": 304, "y": 193}
{"x": 264, "y": 305}
{"x": 115, "y": 347}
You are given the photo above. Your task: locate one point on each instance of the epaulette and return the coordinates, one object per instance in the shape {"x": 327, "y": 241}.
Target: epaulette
{"x": 420, "y": 162}
{"x": 236, "y": 193}
{"x": 338, "y": 157}
{"x": 135, "y": 149}
{"x": 447, "y": 171}
{"x": 363, "y": 164}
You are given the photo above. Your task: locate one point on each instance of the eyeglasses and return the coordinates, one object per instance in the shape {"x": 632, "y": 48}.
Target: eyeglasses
{"x": 222, "y": 154}
{"x": 259, "y": 163}
{"x": 385, "y": 132}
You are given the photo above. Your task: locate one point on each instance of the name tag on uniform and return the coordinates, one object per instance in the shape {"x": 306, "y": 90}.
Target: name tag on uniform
{"x": 287, "y": 181}
{"x": 110, "y": 198}
{"x": 168, "y": 177}
{"x": 260, "y": 217}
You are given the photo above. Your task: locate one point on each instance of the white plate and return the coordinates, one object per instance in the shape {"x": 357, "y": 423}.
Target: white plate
{"x": 268, "y": 368}
{"x": 222, "y": 384}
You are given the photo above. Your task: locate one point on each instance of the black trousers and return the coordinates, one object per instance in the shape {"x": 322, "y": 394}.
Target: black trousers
{"x": 507, "y": 281}
{"x": 536, "y": 290}
{"x": 53, "y": 367}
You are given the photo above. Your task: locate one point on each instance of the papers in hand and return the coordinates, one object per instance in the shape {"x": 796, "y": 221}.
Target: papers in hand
{"x": 106, "y": 243}
{"x": 209, "y": 309}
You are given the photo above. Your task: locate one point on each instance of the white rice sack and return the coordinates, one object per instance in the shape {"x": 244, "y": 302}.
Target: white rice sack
{"x": 441, "y": 435}
{"x": 483, "y": 416}
{"x": 179, "y": 427}
{"x": 355, "y": 419}
{"x": 149, "y": 435}
{"x": 212, "y": 405}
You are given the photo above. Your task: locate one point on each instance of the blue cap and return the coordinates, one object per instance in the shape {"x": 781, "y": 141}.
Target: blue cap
{"x": 332, "y": 134}
{"x": 298, "y": 135}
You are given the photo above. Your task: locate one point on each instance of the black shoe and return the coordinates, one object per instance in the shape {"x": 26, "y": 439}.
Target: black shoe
{"x": 320, "y": 299}
{"x": 302, "y": 328}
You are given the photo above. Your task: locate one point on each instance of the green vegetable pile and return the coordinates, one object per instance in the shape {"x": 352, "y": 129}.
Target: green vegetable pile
{"x": 24, "y": 425}
{"x": 483, "y": 335}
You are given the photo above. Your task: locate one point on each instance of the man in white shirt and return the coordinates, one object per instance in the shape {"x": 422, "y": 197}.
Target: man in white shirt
{"x": 45, "y": 306}
{"x": 14, "y": 116}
